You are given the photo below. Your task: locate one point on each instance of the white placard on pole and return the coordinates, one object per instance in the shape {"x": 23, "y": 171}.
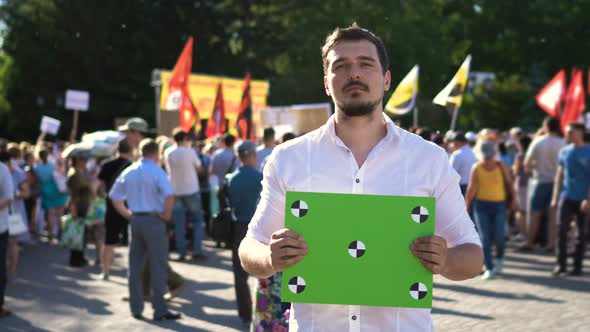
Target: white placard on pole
{"x": 50, "y": 125}
{"x": 77, "y": 100}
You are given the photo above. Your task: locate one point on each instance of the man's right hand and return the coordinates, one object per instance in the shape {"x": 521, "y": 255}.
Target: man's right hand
{"x": 286, "y": 249}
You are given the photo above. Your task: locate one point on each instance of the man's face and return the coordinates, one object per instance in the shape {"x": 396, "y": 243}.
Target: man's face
{"x": 134, "y": 137}
{"x": 572, "y": 135}
{"x": 354, "y": 77}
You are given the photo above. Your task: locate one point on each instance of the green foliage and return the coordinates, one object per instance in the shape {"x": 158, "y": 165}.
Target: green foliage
{"x": 110, "y": 48}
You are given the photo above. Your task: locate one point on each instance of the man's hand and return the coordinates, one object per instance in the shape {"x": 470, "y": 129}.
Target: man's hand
{"x": 432, "y": 252}
{"x": 286, "y": 249}
{"x": 584, "y": 206}
{"x": 166, "y": 217}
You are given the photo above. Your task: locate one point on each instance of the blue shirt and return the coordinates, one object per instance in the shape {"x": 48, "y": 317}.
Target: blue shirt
{"x": 576, "y": 172}
{"x": 144, "y": 185}
{"x": 244, "y": 187}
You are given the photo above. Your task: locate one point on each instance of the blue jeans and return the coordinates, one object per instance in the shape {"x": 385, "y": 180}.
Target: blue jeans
{"x": 491, "y": 220}
{"x": 188, "y": 205}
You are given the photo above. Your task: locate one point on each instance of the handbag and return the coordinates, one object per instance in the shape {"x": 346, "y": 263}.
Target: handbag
{"x": 506, "y": 184}
{"x": 16, "y": 224}
{"x": 72, "y": 236}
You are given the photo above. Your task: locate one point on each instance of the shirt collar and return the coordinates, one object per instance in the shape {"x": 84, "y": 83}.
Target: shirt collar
{"x": 392, "y": 130}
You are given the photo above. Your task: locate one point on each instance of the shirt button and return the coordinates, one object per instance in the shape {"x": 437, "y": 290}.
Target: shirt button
{"x": 357, "y": 181}
{"x": 353, "y": 317}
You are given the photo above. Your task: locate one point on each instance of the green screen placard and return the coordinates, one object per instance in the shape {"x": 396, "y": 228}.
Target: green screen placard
{"x": 359, "y": 249}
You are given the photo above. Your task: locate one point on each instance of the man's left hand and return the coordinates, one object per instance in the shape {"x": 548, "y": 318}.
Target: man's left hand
{"x": 432, "y": 252}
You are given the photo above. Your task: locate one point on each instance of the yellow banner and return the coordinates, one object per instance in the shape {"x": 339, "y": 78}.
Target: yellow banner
{"x": 203, "y": 90}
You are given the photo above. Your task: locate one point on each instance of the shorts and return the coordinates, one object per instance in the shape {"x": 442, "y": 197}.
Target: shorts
{"x": 541, "y": 196}
{"x": 116, "y": 226}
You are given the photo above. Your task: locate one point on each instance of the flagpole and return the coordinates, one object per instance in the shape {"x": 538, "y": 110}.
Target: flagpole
{"x": 415, "y": 117}
{"x": 454, "y": 119}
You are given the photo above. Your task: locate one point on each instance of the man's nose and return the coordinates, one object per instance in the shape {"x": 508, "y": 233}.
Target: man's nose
{"x": 355, "y": 72}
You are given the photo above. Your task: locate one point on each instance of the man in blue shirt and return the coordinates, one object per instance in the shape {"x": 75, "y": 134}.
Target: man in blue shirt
{"x": 150, "y": 199}
{"x": 571, "y": 196}
{"x": 244, "y": 187}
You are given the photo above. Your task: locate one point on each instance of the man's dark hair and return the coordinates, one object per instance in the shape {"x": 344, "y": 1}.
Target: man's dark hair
{"x": 229, "y": 140}
{"x": 552, "y": 124}
{"x": 179, "y": 135}
{"x": 124, "y": 147}
{"x": 43, "y": 155}
{"x": 4, "y": 156}
{"x": 269, "y": 134}
{"x": 149, "y": 147}
{"x": 287, "y": 137}
{"x": 355, "y": 33}
{"x": 577, "y": 126}
{"x": 525, "y": 141}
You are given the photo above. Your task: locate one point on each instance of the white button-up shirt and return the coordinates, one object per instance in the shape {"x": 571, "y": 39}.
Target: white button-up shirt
{"x": 400, "y": 164}
{"x": 462, "y": 161}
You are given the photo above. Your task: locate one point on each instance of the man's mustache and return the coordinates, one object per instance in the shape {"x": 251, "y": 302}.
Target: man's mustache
{"x": 356, "y": 84}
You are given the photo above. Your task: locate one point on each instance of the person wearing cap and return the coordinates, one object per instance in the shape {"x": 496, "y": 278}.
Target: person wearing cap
{"x": 490, "y": 191}
{"x": 150, "y": 199}
{"x": 264, "y": 150}
{"x": 471, "y": 138}
{"x": 183, "y": 165}
{"x": 135, "y": 130}
{"x": 244, "y": 186}
{"x": 462, "y": 159}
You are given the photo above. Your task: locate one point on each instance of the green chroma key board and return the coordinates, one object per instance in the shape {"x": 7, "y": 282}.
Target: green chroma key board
{"x": 359, "y": 250}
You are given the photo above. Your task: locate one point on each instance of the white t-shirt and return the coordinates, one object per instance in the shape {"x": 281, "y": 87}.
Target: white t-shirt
{"x": 462, "y": 161}
{"x": 401, "y": 164}
{"x": 544, "y": 152}
{"x": 262, "y": 153}
{"x": 181, "y": 163}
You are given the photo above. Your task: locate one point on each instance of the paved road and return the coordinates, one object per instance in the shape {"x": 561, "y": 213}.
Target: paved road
{"x": 50, "y": 296}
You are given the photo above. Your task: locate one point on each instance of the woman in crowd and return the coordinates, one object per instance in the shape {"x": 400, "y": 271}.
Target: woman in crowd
{"x": 80, "y": 191}
{"x": 53, "y": 200}
{"x": 521, "y": 184}
{"x": 490, "y": 189}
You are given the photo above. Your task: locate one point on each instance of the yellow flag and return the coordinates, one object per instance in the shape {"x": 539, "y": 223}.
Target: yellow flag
{"x": 403, "y": 98}
{"x": 452, "y": 94}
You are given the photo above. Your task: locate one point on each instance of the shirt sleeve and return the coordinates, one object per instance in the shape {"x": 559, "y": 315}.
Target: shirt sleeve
{"x": 164, "y": 183}
{"x": 452, "y": 220}
{"x": 531, "y": 151}
{"x": 6, "y": 187}
{"x": 119, "y": 190}
{"x": 269, "y": 216}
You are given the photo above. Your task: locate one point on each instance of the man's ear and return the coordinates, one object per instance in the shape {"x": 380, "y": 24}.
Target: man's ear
{"x": 326, "y": 87}
{"x": 387, "y": 83}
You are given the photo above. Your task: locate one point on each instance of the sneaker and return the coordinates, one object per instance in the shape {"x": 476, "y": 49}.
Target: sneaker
{"x": 487, "y": 275}
{"x": 104, "y": 276}
{"x": 558, "y": 271}
{"x": 499, "y": 265}
{"x": 168, "y": 316}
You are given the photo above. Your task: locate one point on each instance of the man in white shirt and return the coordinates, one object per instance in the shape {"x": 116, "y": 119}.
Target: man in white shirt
{"x": 462, "y": 159}
{"x": 361, "y": 151}
{"x": 263, "y": 151}
{"x": 182, "y": 165}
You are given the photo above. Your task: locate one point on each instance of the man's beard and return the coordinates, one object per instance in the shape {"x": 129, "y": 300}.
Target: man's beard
{"x": 358, "y": 109}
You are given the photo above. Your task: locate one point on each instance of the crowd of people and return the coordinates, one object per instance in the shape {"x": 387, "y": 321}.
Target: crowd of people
{"x": 160, "y": 195}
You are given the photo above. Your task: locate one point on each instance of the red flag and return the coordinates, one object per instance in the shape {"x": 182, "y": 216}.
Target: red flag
{"x": 244, "y": 124}
{"x": 551, "y": 96}
{"x": 178, "y": 95}
{"x": 575, "y": 100}
{"x": 217, "y": 123}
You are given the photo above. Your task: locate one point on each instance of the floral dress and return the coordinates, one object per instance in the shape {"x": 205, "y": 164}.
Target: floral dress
{"x": 269, "y": 313}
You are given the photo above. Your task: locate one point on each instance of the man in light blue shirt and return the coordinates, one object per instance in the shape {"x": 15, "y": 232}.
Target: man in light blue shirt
{"x": 150, "y": 199}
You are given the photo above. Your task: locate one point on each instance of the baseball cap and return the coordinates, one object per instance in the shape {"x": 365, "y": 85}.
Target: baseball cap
{"x": 245, "y": 147}
{"x": 137, "y": 124}
{"x": 471, "y": 136}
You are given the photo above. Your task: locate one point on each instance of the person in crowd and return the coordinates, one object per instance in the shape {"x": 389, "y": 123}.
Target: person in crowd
{"x": 183, "y": 166}
{"x": 204, "y": 185}
{"x": 541, "y": 158}
{"x": 146, "y": 189}
{"x": 244, "y": 191}
{"x": 6, "y": 198}
{"x": 115, "y": 223}
{"x": 135, "y": 130}
{"x": 356, "y": 151}
{"x": 264, "y": 150}
{"x": 80, "y": 192}
{"x": 224, "y": 161}
{"x": 53, "y": 201}
{"x": 571, "y": 197}
{"x": 491, "y": 192}
{"x": 521, "y": 183}
{"x": 462, "y": 159}
{"x": 31, "y": 202}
